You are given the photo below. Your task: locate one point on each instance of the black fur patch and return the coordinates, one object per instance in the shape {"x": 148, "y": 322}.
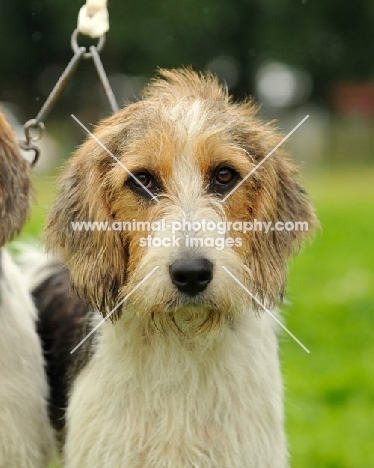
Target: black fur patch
{"x": 64, "y": 320}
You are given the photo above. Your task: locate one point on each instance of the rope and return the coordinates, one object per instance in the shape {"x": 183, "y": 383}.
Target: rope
{"x": 93, "y": 18}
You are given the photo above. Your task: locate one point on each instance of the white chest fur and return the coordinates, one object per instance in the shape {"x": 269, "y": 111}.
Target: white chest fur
{"x": 25, "y": 433}
{"x": 165, "y": 405}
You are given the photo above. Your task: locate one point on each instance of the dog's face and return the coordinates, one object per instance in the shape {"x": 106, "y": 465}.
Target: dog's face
{"x": 187, "y": 144}
{"x": 14, "y": 184}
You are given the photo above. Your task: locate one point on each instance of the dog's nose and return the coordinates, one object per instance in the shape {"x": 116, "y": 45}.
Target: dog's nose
{"x": 191, "y": 275}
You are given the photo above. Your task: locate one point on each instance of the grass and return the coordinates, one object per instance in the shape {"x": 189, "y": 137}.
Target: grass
{"x": 329, "y": 392}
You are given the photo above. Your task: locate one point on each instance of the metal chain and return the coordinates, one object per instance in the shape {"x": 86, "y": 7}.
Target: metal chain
{"x": 104, "y": 79}
{"x": 79, "y": 52}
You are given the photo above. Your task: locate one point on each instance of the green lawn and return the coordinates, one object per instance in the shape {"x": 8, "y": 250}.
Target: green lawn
{"x": 329, "y": 392}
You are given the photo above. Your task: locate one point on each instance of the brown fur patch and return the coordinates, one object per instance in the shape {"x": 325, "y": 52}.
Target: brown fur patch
{"x": 14, "y": 184}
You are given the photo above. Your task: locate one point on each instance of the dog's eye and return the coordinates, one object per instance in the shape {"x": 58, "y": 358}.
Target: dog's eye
{"x": 142, "y": 180}
{"x": 223, "y": 179}
{"x": 225, "y": 175}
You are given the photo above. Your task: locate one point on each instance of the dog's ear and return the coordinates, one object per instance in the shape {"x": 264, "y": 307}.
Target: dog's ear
{"x": 275, "y": 196}
{"x": 292, "y": 221}
{"x": 96, "y": 258}
{"x": 14, "y": 184}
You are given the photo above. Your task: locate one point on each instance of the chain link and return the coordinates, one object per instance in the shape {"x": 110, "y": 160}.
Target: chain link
{"x": 79, "y": 52}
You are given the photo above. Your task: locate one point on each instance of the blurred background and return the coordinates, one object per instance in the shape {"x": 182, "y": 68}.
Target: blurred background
{"x": 296, "y": 57}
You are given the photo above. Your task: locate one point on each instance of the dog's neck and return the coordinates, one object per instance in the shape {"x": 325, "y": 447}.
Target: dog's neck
{"x": 219, "y": 396}
{"x": 129, "y": 340}
{"x": 188, "y": 328}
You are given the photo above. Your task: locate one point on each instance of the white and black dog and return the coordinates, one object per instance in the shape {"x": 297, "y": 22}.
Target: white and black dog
{"x": 25, "y": 432}
{"x": 185, "y": 373}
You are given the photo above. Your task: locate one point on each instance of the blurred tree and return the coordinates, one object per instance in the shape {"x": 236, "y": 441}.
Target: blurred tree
{"x": 330, "y": 39}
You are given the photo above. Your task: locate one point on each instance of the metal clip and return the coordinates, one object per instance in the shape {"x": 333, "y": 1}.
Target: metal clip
{"x": 29, "y": 143}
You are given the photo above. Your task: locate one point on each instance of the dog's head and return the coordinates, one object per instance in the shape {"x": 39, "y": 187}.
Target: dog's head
{"x": 14, "y": 184}
{"x": 189, "y": 145}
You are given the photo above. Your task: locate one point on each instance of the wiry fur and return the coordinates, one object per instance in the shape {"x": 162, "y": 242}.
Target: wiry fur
{"x": 25, "y": 432}
{"x": 64, "y": 320}
{"x": 14, "y": 184}
{"x": 177, "y": 381}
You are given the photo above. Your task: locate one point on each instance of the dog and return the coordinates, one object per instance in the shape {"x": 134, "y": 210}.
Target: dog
{"x": 184, "y": 370}
{"x": 26, "y": 436}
